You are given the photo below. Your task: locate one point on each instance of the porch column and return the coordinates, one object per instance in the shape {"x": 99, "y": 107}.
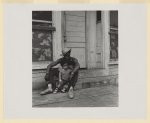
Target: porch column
{"x": 105, "y": 38}
{"x": 57, "y": 35}
{"x": 91, "y": 38}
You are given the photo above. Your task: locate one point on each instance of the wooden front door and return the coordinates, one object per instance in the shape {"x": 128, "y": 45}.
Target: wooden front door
{"x": 75, "y": 35}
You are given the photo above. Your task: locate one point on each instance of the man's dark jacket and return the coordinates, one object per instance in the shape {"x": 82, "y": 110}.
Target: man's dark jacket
{"x": 71, "y": 61}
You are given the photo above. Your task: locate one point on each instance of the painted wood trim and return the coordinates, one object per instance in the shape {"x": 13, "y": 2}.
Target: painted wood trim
{"x": 106, "y": 39}
{"x": 91, "y": 38}
{"x": 42, "y": 21}
{"x": 57, "y": 35}
{"x": 40, "y": 65}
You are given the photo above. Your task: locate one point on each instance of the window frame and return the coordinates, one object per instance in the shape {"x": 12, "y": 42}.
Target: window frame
{"x": 97, "y": 17}
{"x": 113, "y": 61}
{"x": 43, "y": 64}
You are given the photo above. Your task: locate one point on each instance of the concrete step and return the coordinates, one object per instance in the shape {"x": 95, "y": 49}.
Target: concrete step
{"x": 87, "y": 78}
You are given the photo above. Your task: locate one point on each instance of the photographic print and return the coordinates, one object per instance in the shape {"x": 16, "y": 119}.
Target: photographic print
{"x": 75, "y": 61}
{"x": 75, "y": 58}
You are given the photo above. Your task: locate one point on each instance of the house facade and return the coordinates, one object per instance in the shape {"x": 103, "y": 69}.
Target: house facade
{"x": 92, "y": 36}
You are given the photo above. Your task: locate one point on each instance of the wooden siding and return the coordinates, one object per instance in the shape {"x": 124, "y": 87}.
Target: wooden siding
{"x": 75, "y": 45}
{"x": 76, "y": 13}
{"x": 80, "y": 34}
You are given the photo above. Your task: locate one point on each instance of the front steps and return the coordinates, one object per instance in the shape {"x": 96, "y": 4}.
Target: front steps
{"x": 87, "y": 78}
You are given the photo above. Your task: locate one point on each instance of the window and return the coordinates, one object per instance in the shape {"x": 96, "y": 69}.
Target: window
{"x": 42, "y": 37}
{"x": 113, "y": 35}
{"x": 42, "y": 15}
{"x": 98, "y": 16}
{"x": 114, "y": 19}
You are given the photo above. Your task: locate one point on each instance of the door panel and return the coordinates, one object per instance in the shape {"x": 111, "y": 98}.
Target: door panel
{"x": 79, "y": 53}
{"x": 75, "y": 35}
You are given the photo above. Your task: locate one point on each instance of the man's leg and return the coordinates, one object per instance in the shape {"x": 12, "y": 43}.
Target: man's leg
{"x": 50, "y": 79}
{"x": 74, "y": 80}
{"x": 53, "y": 73}
{"x": 72, "y": 84}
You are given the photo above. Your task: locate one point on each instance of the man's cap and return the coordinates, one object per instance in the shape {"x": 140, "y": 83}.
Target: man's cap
{"x": 65, "y": 51}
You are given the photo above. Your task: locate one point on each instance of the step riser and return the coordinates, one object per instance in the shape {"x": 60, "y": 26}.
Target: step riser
{"x": 112, "y": 81}
{"x": 87, "y": 78}
{"x": 82, "y": 73}
{"x": 82, "y": 83}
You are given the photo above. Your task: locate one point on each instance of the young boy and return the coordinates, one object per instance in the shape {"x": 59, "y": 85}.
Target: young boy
{"x": 64, "y": 78}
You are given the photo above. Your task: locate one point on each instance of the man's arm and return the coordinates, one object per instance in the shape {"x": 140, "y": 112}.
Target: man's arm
{"x": 76, "y": 67}
{"x": 60, "y": 76}
{"x": 52, "y": 65}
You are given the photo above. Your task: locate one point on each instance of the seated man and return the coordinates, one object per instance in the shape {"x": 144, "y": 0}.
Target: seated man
{"x": 51, "y": 73}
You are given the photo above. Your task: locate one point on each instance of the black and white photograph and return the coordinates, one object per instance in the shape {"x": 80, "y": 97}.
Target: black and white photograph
{"x": 75, "y": 58}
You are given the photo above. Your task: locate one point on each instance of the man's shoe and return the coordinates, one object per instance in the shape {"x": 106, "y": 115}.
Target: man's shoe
{"x": 71, "y": 93}
{"x": 47, "y": 91}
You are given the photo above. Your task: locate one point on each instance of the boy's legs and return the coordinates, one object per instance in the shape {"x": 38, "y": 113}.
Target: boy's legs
{"x": 61, "y": 86}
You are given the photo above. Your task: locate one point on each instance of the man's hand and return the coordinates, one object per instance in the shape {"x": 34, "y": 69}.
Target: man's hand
{"x": 60, "y": 80}
{"x": 72, "y": 73}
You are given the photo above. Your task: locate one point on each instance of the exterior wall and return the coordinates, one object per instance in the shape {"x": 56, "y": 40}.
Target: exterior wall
{"x": 57, "y": 35}
{"x": 89, "y": 42}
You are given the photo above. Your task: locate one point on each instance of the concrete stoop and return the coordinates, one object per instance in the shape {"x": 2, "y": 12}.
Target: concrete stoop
{"x": 87, "y": 78}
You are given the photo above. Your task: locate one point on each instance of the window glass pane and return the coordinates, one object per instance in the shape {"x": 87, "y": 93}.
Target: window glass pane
{"x": 41, "y": 45}
{"x": 42, "y": 15}
{"x": 113, "y": 18}
{"x": 113, "y": 35}
{"x": 98, "y": 16}
{"x": 41, "y": 38}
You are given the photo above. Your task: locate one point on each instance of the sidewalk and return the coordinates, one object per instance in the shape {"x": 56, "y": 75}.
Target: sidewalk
{"x": 103, "y": 96}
